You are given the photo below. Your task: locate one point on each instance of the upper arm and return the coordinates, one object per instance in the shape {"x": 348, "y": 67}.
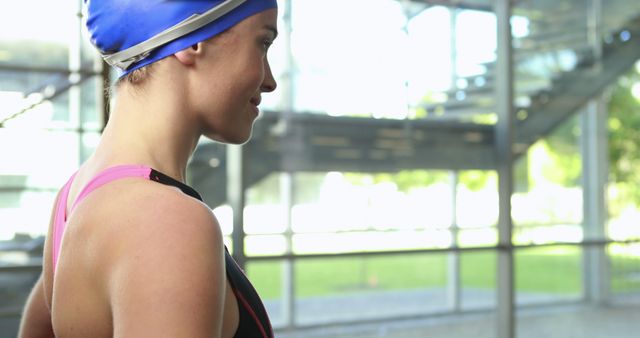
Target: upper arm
{"x": 36, "y": 319}
{"x": 36, "y": 315}
{"x": 168, "y": 278}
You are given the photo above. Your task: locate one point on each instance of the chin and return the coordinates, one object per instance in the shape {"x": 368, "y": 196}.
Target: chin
{"x": 239, "y": 138}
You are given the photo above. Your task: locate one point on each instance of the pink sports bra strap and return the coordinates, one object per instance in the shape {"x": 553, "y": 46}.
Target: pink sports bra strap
{"x": 60, "y": 218}
{"x": 104, "y": 177}
{"x": 111, "y": 174}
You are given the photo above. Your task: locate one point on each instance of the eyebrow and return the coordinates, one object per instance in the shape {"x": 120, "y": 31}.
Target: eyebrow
{"x": 272, "y": 29}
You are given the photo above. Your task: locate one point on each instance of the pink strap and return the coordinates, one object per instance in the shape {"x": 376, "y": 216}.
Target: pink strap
{"x": 60, "y": 219}
{"x": 104, "y": 177}
{"x": 111, "y": 174}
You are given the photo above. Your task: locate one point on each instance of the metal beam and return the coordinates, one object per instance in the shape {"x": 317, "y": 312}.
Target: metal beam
{"x": 41, "y": 69}
{"x": 324, "y": 143}
{"x": 385, "y": 253}
{"x": 461, "y": 4}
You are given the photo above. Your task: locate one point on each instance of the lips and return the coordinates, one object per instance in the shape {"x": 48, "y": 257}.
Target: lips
{"x": 256, "y": 101}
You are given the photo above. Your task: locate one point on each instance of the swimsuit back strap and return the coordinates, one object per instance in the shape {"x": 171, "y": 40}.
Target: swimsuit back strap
{"x": 111, "y": 174}
{"x": 104, "y": 177}
{"x": 60, "y": 219}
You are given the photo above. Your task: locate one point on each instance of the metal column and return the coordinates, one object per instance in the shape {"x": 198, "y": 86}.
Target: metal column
{"x": 287, "y": 83}
{"x": 454, "y": 285}
{"x": 504, "y": 157}
{"x": 453, "y": 28}
{"x": 236, "y": 186}
{"x": 287, "y": 185}
{"x": 594, "y": 175}
{"x": 287, "y": 189}
{"x": 75, "y": 94}
{"x": 595, "y": 172}
{"x": 594, "y": 26}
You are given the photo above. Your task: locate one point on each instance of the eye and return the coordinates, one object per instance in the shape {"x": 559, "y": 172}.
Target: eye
{"x": 266, "y": 43}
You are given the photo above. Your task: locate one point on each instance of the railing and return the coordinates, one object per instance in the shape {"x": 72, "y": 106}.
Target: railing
{"x": 288, "y": 300}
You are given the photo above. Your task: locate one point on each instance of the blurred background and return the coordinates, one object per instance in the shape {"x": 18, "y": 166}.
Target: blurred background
{"x": 427, "y": 168}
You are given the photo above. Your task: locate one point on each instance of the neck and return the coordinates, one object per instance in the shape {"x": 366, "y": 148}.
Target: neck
{"x": 149, "y": 127}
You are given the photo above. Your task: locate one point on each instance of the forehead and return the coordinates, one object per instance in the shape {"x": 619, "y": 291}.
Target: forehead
{"x": 265, "y": 20}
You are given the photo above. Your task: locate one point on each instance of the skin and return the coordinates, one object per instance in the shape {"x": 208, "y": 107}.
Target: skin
{"x": 142, "y": 259}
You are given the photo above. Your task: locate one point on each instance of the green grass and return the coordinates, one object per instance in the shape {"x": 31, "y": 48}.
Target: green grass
{"x": 319, "y": 277}
{"x": 625, "y": 270}
{"x": 545, "y": 269}
{"x": 549, "y": 270}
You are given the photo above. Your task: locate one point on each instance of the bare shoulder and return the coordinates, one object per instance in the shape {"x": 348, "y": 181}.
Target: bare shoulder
{"x": 149, "y": 216}
{"x": 165, "y": 272}
{"x": 143, "y": 206}
{"x": 134, "y": 216}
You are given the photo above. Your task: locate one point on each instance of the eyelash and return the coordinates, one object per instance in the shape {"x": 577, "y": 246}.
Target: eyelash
{"x": 266, "y": 44}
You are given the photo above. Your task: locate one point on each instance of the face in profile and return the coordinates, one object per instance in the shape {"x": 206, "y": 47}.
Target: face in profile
{"x": 232, "y": 77}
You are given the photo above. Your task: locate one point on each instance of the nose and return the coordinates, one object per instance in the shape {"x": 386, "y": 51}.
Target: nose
{"x": 269, "y": 83}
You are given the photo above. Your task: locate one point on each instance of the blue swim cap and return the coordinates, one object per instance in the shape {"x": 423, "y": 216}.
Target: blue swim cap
{"x": 134, "y": 33}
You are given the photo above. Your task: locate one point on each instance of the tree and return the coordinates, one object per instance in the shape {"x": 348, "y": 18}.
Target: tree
{"x": 624, "y": 137}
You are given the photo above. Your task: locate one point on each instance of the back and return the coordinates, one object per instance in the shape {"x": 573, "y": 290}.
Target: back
{"x": 144, "y": 259}
{"x": 74, "y": 290}
{"x": 102, "y": 233}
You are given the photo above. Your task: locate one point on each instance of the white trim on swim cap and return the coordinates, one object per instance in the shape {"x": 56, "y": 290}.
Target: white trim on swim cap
{"x": 125, "y": 58}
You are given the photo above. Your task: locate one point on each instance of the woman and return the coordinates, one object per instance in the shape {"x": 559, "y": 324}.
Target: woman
{"x": 131, "y": 249}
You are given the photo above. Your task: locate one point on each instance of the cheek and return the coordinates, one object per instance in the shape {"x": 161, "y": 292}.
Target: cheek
{"x": 255, "y": 71}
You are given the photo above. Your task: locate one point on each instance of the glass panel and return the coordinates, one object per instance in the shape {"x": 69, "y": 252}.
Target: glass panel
{"x": 36, "y": 163}
{"x": 431, "y": 63}
{"x": 350, "y": 58}
{"x": 622, "y": 194}
{"x": 357, "y": 288}
{"x": 29, "y": 215}
{"x": 478, "y": 280}
{"x": 554, "y": 274}
{"x": 23, "y": 96}
{"x": 21, "y": 91}
{"x": 340, "y": 212}
{"x": 90, "y": 91}
{"x": 548, "y": 274}
{"x": 37, "y": 33}
{"x": 267, "y": 278}
{"x": 89, "y": 143}
{"x": 477, "y": 200}
{"x": 46, "y": 157}
{"x": 264, "y": 213}
{"x": 625, "y": 270}
{"x": 257, "y": 245}
{"x": 547, "y": 207}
